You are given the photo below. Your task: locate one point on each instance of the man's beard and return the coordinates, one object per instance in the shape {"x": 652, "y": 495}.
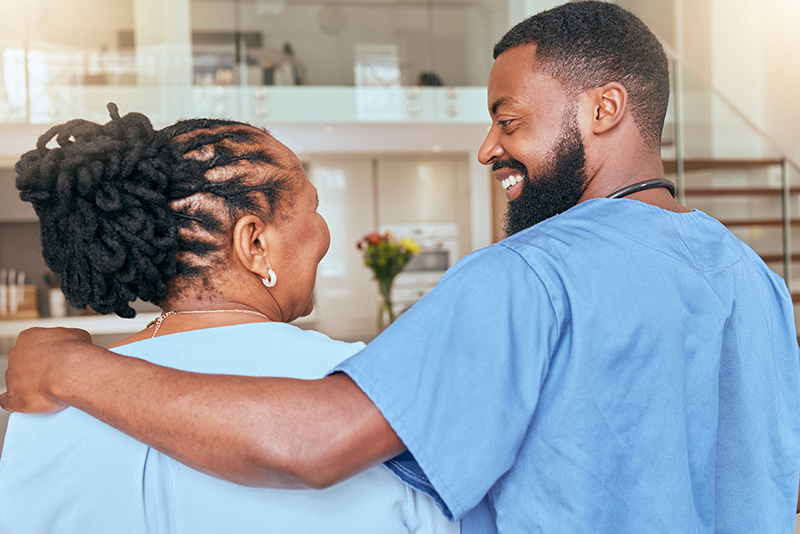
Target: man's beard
{"x": 555, "y": 190}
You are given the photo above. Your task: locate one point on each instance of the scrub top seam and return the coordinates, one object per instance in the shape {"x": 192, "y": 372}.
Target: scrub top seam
{"x": 406, "y": 436}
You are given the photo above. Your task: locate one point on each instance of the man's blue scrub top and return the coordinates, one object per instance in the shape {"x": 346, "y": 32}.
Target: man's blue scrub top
{"x": 618, "y": 368}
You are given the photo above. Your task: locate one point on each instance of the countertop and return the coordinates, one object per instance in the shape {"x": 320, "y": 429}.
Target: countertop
{"x": 94, "y": 324}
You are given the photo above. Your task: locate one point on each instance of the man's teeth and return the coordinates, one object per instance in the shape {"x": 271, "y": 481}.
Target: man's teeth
{"x": 511, "y": 180}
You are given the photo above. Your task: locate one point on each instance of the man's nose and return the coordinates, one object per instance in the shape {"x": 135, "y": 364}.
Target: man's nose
{"x": 490, "y": 149}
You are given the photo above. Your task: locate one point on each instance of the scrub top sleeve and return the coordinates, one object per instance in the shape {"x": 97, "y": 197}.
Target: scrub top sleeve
{"x": 458, "y": 375}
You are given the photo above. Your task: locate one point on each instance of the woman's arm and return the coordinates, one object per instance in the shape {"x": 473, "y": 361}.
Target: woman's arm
{"x": 274, "y": 432}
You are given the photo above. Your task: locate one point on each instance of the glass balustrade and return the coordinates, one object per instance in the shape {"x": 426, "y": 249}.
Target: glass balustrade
{"x": 727, "y": 167}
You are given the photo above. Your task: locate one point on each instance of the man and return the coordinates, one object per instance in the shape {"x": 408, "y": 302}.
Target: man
{"x": 613, "y": 366}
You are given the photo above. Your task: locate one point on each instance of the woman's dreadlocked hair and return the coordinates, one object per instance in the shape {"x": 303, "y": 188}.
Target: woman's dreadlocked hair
{"x": 126, "y": 210}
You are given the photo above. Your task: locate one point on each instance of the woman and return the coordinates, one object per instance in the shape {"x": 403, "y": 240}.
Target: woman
{"x": 216, "y": 222}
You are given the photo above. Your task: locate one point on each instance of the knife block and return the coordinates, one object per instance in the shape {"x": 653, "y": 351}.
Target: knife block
{"x": 27, "y": 309}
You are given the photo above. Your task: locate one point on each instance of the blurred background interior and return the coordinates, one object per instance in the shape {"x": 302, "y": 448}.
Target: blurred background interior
{"x": 384, "y": 101}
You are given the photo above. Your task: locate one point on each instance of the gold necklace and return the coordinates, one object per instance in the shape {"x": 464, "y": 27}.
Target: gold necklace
{"x": 160, "y": 319}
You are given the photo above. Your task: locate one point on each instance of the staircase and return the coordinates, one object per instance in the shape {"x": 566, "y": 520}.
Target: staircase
{"x": 727, "y": 167}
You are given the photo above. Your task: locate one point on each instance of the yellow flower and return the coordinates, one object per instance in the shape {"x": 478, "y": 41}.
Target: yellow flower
{"x": 410, "y": 245}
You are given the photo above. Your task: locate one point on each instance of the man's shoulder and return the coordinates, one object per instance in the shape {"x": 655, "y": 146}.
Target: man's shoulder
{"x": 627, "y": 227}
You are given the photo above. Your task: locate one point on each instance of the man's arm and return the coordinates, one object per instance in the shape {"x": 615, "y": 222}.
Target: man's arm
{"x": 272, "y": 432}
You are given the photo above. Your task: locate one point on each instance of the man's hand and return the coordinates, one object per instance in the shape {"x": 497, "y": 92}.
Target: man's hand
{"x": 33, "y": 367}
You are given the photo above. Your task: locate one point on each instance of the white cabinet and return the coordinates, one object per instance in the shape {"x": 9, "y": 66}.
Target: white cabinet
{"x": 362, "y": 193}
{"x": 426, "y": 189}
{"x": 12, "y": 209}
{"x": 345, "y": 296}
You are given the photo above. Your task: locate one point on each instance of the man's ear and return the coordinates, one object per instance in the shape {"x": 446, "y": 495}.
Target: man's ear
{"x": 250, "y": 244}
{"x": 609, "y": 104}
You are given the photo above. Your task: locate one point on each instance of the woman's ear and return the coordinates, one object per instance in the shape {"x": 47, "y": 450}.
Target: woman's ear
{"x": 609, "y": 104}
{"x": 250, "y": 244}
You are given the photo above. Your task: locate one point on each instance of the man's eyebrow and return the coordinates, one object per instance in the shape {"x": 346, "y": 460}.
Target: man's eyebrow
{"x": 502, "y": 102}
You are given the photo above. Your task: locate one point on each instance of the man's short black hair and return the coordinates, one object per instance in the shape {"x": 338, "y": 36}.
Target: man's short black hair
{"x": 589, "y": 44}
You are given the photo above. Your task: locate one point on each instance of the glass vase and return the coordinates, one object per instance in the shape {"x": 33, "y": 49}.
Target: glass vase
{"x": 385, "y": 311}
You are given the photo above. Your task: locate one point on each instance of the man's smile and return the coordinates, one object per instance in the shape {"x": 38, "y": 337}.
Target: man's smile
{"x": 511, "y": 180}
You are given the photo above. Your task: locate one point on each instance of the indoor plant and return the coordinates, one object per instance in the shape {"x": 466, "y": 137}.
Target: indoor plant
{"x": 386, "y": 256}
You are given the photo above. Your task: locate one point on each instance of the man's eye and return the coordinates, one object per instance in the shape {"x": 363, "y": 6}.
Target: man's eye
{"x": 503, "y": 124}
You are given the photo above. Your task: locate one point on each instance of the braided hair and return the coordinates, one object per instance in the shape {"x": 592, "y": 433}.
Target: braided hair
{"x": 127, "y": 211}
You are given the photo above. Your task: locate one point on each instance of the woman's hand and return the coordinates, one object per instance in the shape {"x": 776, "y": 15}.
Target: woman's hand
{"x": 35, "y": 364}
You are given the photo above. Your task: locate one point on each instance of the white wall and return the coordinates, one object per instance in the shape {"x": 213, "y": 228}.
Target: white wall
{"x": 748, "y": 50}
{"x": 89, "y": 24}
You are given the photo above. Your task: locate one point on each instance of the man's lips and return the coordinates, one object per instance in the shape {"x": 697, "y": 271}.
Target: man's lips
{"x": 511, "y": 180}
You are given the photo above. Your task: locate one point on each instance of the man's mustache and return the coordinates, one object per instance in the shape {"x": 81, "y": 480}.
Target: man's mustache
{"x": 510, "y": 164}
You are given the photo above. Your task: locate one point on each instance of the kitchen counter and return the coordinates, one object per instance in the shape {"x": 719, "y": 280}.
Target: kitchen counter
{"x": 94, "y": 324}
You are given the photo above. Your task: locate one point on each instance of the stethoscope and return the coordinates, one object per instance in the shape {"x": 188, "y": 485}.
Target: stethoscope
{"x": 641, "y": 186}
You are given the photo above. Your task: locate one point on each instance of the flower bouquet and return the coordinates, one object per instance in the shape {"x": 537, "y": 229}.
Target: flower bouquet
{"x": 386, "y": 257}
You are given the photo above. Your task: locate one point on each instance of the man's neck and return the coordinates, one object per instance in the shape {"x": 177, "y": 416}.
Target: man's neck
{"x": 619, "y": 172}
